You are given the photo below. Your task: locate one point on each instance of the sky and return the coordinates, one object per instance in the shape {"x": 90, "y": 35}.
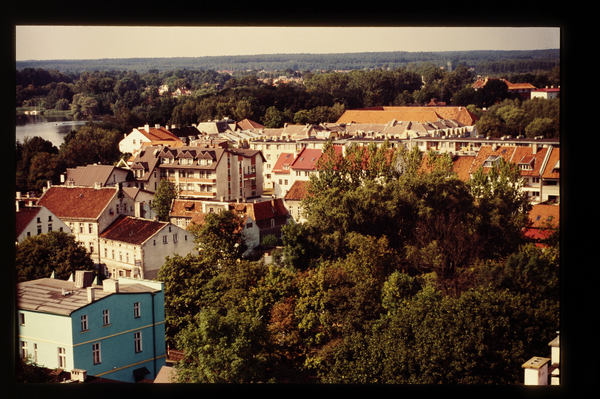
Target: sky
{"x": 96, "y": 42}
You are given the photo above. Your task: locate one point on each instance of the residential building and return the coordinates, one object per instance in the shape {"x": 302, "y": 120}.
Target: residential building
{"x": 522, "y": 89}
{"x": 35, "y": 220}
{"x": 546, "y": 93}
{"x": 261, "y": 219}
{"x": 115, "y": 330}
{"x": 281, "y": 174}
{"x": 293, "y": 200}
{"x": 88, "y": 211}
{"x": 550, "y": 188}
{"x": 135, "y": 247}
{"x": 185, "y": 211}
{"x": 102, "y": 175}
{"x": 203, "y": 173}
{"x": 133, "y": 141}
{"x": 385, "y": 114}
{"x": 271, "y": 149}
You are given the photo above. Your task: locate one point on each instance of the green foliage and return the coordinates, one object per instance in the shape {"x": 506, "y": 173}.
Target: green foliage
{"x": 90, "y": 144}
{"x": 221, "y": 236}
{"x": 29, "y": 372}
{"x": 163, "y": 198}
{"x": 269, "y": 240}
{"x": 56, "y": 251}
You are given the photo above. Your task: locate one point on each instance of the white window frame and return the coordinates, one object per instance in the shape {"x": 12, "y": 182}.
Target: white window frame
{"x": 137, "y": 341}
{"x": 96, "y": 353}
{"x": 105, "y": 317}
{"x": 62, "y": 358}
{"x": 136, "y": 310}
{"x": 84, "y": 323}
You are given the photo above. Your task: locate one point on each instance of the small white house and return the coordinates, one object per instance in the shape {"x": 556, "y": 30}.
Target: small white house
{"x": 135, "y": 247}
{"x": 36, "y": 220}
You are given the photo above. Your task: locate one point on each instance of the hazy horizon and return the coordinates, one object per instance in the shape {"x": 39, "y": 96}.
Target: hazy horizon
{"x": 51, "y": 43}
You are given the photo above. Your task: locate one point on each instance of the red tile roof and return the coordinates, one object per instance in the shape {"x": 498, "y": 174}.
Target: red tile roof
{"x": 285, "y": 160}
{"x": 161, "y": 134}
{"x": 552, "y": 170}
{"x": 298, "y": 191}
{"x": 188, "y": 209}
{"x": 132, "y": 230}
{"x": 486, "y": 151}
{"x": 542, "y": 214}
{"x": 264, "y": 210}
{"x": 77, "y": 202}
{"x": 525, "y": 155}
{"x": 414, "y": 114}
{"x": 462, "y": 165}
{"x": 307, "y": 159}
{"x": 25, "y": 216}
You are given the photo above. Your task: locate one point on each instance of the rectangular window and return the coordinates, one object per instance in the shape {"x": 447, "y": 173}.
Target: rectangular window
{"x": 105, "y": 317}
{"x": 81, "y": 228}
{"x": 96, "y": 353}
{"x": 84, "y": 322}
{"x": 136, "y": 309}
{"x": 62, "y": 358}
{"x": 165, "y": 240}
{"x": 137, "y": 340}
{"x": 39, "y": 230}
{"x": 22, "y": 318}
{"x": 90, "y": 228}
{"x": 23, "y": 349}
{"x": 175, "y": 238}
{"x": 106, "y": 252}
{"x": 49, "y": 227}
{"x": 35, "y": 353}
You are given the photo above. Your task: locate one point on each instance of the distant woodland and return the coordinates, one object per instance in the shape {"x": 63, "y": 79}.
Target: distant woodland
{"x": 483, "y": 62}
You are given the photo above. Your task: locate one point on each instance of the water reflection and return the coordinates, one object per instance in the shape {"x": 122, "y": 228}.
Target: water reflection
{"x": 49, "y": 128}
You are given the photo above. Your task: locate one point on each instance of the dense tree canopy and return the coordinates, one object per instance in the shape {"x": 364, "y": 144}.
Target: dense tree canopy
{"x": 56, "y": 251}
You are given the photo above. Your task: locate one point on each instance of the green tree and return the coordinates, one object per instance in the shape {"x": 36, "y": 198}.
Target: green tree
{"x": 88, "y": 145}
{"x": 545, "y": 127}
{"x": 163, "y": 198}
{"x": 56, "y": 251}
{"x": 221, "y": 236}
{"x": 29, "y": 372}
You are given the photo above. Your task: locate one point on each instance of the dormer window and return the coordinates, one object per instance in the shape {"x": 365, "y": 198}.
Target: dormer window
{"x": 491, "y": 160}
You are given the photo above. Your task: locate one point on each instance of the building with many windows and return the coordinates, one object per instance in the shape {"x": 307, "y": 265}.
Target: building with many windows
{"x": 115, "y": 330}
{"x": 135, "y": 247}
{"x": 203, "y": 173}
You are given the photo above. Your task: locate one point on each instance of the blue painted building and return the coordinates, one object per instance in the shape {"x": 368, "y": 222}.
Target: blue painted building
{"x": 115, "y": 330}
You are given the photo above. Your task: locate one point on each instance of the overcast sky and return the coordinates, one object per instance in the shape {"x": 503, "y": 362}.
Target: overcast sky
{"x": 88, "y": 42}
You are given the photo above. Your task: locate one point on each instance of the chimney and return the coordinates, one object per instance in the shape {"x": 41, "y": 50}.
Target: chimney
{"x": 535, "y": 148}
{"x": 157, "y": 126}
{"x": 83, "y": 278}
{"x": 110, "y": 285}
{"x": 90, "y": 294}
{"x": 536, "y": 371}
{"x": 147, "y": 128}
{"x": 97, "y": 185}
{"x": 49, "y": 183}
{"x": 79, "y": 375}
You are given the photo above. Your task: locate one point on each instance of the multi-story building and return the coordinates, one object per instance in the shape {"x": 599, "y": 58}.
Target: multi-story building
{"x": 36, "y": 220}
{"x": 134, "y": 247}
{"x": 271, "y": 149}
{"x": 224, "y": 174}
{"x": 115, "y": 330}
{"x": 88, "y": 211}
{"x": 133, "y": 141}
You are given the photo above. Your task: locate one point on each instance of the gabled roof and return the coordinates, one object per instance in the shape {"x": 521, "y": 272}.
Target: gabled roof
{"x": 541, "y": 215}
{"x": 188, "y": 209}
{"x": 247, "y": 124}
{"x": 525, "y": 156}
{"x": 284, "y": 162}
{"x": 307, "y": 159}
{"x": 462, "y": 165}
{"x": 297, "y": 192}
{"x": 383, "y": 115}
{"x": 25, "y": 216}
{"x": 77, "y": 202}
{"x": 486, "y": 153}
{"x": 90, "y": 174}
{"x": 154, "y": 134}
{"x": 132, "y": 230}
{"x": 552, "y": 169}
{"x": 264, "y": 210}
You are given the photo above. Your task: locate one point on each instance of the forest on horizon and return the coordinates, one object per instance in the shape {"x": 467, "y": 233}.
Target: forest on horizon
{"x": 490, "y": 62}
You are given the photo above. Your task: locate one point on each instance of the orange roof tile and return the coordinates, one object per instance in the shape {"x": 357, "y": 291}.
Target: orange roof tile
{"x": 25, "y": 216}
{"x": 486, "y": 151}
{"x": 552, "y": 170}
{"x": 414, "y": 114}
{"x": 132, "y": 230}
{"x": 462, "y": 165}
{"x": 542, "y": 214}
{"x": 77, "y": 202}
{"x": 298, "y": 191}
{"x": 285, "y": 160}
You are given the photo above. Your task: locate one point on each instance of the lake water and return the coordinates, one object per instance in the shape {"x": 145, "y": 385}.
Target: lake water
{"x": 51, "y": 129}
